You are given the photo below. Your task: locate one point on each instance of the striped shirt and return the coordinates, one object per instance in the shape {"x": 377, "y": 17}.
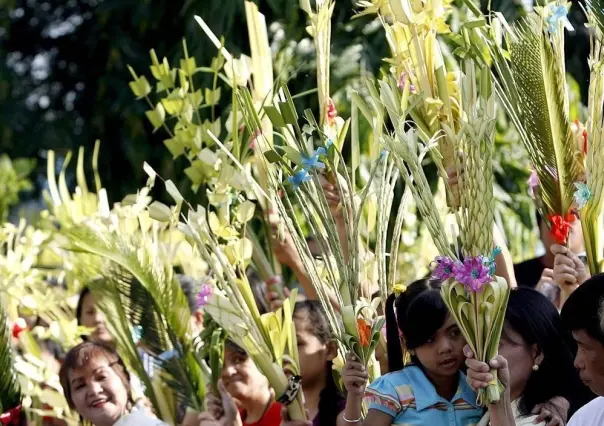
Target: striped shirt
{"x": 411, "y": 399}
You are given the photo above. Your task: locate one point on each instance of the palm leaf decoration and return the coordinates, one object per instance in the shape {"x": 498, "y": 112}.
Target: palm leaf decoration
{"x": 10, "y": 391}
{"x": 532, "y": 87}
{"x": 591, "y": 214}
{"x": 141, "y": 290}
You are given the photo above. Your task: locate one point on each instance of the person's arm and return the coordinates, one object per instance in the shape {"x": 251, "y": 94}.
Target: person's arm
{"x": 355, "y": 379}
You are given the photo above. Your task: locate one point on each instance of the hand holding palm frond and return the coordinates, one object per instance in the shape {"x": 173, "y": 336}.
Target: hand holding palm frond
{"x": 473, "y": 294}
{"x": 532, "y": 88}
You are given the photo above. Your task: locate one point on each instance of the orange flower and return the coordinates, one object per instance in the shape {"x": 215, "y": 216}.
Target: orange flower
{"x": 364, "y": 332}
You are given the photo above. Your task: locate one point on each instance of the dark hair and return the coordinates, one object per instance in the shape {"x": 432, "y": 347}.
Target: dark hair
{"x": 420, "y": 312}
{"x": 85, "y": 292}
{"x": 85, "y": 352}
{"x": 330, "y": 399}
{"x": 583, "y": 309}
{"x": 535, "y": 318}
{"x": 189, "y": 287}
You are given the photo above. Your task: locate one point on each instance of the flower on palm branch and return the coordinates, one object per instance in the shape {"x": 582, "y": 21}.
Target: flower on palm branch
{"x": 582, "y": 194}
{"x": 560, "y": 226}
{"x": 204, "y": 295}
{"x": 299, "y": 178}
{"x": 557, "y": 13}
{"x": 533, "y": 182}
{"x": 364, "y": 332}
{"x": 444, "y": 268}
{"x": 472, "y": 273}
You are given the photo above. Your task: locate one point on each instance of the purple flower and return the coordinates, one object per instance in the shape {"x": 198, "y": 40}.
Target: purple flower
{"x": 473, "y": 273}
{"x": 444, "y": 268}
{"x": 204, "y": 295}
{"x": 403, "y": 80}
{"x": 299, "y": 178}
{"x": 533, "y": 182}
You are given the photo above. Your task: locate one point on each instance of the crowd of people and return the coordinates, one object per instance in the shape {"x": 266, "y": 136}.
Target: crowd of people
{"x": 550, "y": 360}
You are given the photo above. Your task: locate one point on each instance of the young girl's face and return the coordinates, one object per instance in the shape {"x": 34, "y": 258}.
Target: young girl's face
{"x": 313, "y": 355}
{"x": 98, "y": 392}
{"x": 93, "y": 318}
{"x": 241, "y": 377}
{"x": 442, "y": 355}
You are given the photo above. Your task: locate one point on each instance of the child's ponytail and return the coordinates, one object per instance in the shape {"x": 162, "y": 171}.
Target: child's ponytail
{"x": 395, "y": 350}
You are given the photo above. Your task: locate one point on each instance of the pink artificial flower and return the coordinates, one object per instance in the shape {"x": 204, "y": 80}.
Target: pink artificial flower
{"x": 402, "y": 82}
{"x": 473, "y": 273}
{"x": 204, "y": 295}
{"x": 533, "y": 182}
{"x": 444, "y": 268}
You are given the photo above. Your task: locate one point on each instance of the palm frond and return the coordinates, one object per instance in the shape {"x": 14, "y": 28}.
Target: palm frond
{"x": 595, "y": 9}
{"x": 146, "y": 293}
{"x": 532, "y": 88}
{"x": 10, "y": 392}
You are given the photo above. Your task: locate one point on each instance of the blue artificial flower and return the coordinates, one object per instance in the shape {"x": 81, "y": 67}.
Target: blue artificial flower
{"x": 312, "y": 162}
{"x": 137, "y": 333}
{"x": 582, "y": 194}
{"x": 329, "y": 143}
{"x": 297, "y": 179}
{"x": 559, "y": 13}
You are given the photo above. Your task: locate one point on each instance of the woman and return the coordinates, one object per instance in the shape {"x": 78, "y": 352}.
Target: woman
{"x": 89, "y": 316}
{"x": 538, "y": 352}
{"x": 250, "y": 389}
{"x": 96, "y": 385}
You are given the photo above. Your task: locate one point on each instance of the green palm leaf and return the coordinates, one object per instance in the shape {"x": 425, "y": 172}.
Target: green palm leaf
{"x": 595, "y": 9}
{"x": 532, "y": 88}
{"x": 10, "y": 392}
{"x": 143, "y": 291}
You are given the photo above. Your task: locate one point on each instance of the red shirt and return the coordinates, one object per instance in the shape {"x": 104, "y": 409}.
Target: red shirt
{"x": 272, "y": 417}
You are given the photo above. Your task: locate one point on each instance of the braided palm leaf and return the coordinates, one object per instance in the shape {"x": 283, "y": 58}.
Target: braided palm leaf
{"x": 532, "y": 88}
{"x": 142, "y": 290}
{"x": 591, "y": 220}
{"x": 10, "y": 392}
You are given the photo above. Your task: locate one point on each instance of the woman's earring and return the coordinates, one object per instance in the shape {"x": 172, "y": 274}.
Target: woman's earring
{"x": 535, "y": 367}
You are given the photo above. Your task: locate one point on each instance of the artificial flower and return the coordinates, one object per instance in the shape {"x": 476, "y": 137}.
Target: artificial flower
{"x": 444, "y": 268}
{"x": 403, "y": 80}
{"x": 533, "y": 182}
{"x": 204, "y": 295}
{"x": 331, "y": 112}
{"x": 582, "y": 194}
{"x": 312, "y": 162}
{"x": 560, "y": 226}
{"x": 11, "y": 417}
{"x": 299, "y": 178}
{"x": 364, "y": 332}
{"x": 18, "y": 327}
{"x": 137, "y": 334}
{"x": 473, "y": 273}
{"x": 559, "y": 13}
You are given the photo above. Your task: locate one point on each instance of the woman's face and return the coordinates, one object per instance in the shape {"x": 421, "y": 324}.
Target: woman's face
{"x": 313, "y": 355}
{"x": 241, "y": 377}
{"x": 93, "y": 318}
{"x": 442, "y": 355}
{"x": 98, "y": 392}
{"x": 520, "y": 356}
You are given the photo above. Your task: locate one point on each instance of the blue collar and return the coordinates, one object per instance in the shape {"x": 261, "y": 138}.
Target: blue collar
{"x": 425, "y": 393}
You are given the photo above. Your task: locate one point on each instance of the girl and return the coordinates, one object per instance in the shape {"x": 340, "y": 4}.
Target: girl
{"x": 89, "y": 316}
{"x": 316, "y": 352}
{"x": 431, "y": 390}
{"x": 97, "y": 385}
{"x": 538, "y": 351}
{"x": 250, "y": 389}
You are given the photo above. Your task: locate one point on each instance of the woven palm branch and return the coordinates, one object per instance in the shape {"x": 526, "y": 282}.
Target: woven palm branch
{"x": 10, "y": 392}
{"x": 148, "y": 296}
{"x": 532, "y": 88}
{"x": 591, "y": 214}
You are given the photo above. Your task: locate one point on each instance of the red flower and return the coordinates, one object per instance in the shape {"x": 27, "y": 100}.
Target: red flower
{"x": 19, "y": 326}
{"x": 585, "y": 142}
{"x": 364, "y": 332}
{"x": 560, "y": 227}
{"x": 332, "y": 113}
{"x": 11, "y": 417}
